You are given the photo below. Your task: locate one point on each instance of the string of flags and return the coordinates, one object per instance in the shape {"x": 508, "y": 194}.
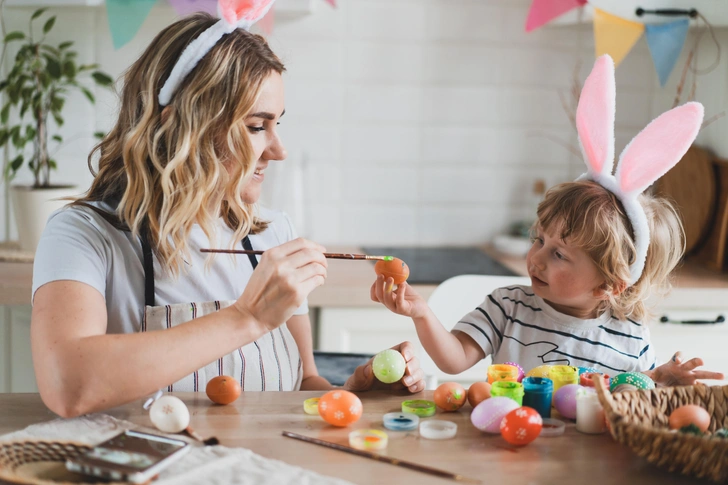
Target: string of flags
{"x": 127, "y": 16}
{"x": 617, "y": 36}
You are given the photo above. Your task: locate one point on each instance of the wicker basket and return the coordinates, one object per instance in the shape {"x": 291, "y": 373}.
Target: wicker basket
{"x": 41, "y": 462}
{"x": 638, "y": 419}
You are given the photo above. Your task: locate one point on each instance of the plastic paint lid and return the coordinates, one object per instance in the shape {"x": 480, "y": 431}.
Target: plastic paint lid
{"x": 401, "y": 421}
{"x": 438, "y": 429}
{"x": 310, "y": 406}
{"x": 552, "y": 427}
{"x": 368, "y": 439}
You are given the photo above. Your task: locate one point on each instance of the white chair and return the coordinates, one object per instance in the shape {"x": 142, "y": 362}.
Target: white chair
{"x": 453, "y": 299}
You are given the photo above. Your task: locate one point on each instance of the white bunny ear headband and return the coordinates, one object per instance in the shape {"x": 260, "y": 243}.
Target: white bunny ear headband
{"x": 650, "y": 154}
{"x": 234, "y": 14}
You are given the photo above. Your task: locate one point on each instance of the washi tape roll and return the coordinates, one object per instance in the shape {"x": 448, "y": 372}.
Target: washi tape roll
{"x": 420, "y": 407}
{"x": 368, "y": 439}
{"x": 401, "y": 421}
{"x": 621, "y": 382}
{"x": 438, "y": 429}
{"x": 552, "y": 427}
{"x": 310, "y": 406}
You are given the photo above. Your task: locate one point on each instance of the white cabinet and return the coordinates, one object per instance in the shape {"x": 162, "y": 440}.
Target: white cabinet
{"x": 16, "y": 362}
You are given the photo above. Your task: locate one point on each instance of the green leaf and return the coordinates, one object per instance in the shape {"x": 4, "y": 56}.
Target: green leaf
{"x": 37, "y": 13}
{"x": 52, "y": 50}
{"x": 3, "y": 85}
{"x": 58, "y": 138}
{"x": 65, "y": 45}
{"x": 102, "y": 78}
{"x": 52, "y": 163}
{"x": 53, "y": 67}
{"x": 49, "y": 24}
{"x": 24, "y": 108}
{"x": 69, "y": 69}
{"x": 89, "y": 95}
{"x": 13, "y": 167}
{"x": 99, "y": 135}
{"x": 3, "y": 137}
{"x": 87, "y": 67}
{"x": 15, "y": 35}
{"x": 57, "y": 103}
{"x": 29, "y": 133}
{"x": 17, "y": 138}
{"x": 5, "y": 114}
{"x": 58, "y": 118}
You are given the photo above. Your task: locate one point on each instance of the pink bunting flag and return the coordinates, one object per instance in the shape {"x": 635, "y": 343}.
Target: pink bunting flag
{"x": 544, "y": 11}
{"x": 331, "y": 2}
{"x": 266, "y": 23}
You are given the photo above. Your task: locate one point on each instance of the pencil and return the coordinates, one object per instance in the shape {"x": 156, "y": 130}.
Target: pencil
{"x": 328, "y": 255}
{"x": 384, "y": 459}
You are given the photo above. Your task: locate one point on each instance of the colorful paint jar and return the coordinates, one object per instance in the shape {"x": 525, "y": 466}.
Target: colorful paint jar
{"x": 502, "y": 372}
{"x": 513, "y": 390}
{"x": 540, "y": 371}
{"x": 538, "y": 392}
{"x": 563, "y": 375}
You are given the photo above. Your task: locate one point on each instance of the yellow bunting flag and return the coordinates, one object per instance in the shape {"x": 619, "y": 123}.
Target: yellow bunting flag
{"x": 614, "y": 35}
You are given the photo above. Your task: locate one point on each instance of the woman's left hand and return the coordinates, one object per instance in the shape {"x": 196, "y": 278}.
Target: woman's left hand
{"x": 679, "y": 373}
{"x": 414, "y": 379}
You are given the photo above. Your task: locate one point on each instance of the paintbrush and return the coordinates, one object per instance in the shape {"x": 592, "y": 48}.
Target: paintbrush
{"x": 382, "y": 458}
{"x": 328, "y": 255}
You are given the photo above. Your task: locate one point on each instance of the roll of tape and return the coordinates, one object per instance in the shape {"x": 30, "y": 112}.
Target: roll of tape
{"x": 310, "y": 406}
{"x": 438, "y": 429}
{"x": 420, "y": 407}
{"x": 368, "y": 439}
{"x": 401, "y": 421}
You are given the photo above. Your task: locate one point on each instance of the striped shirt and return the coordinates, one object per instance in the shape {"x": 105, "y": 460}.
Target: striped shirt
{"x": 515, "y": 325}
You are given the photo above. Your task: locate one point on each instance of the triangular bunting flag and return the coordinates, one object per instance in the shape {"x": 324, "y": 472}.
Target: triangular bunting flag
{"x": 331, "y": 2}
{"x": 266, "y": 23}
{"x": 666, "y": 42}
{"x": 125, "y": 18}
{"x": 543, "y": 11}
{"x": 186, "y": 7}
{"x": 614, "y": 35}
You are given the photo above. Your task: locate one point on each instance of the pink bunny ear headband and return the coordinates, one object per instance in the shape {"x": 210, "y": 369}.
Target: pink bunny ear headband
{"x": 650, "y": 154}
{"x": 235, "y": 14}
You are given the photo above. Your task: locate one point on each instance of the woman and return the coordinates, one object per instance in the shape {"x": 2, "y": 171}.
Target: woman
{"x": 124, "y": 301}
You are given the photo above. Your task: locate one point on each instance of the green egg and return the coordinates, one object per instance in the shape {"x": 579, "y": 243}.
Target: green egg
{"x": 388, "y": 366}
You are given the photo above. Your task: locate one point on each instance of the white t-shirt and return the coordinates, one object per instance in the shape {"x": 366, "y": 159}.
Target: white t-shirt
{"x": 514, "y": 325}
{"x": 80, "y": 245}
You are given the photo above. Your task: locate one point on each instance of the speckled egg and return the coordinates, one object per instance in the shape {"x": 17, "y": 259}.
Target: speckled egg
{"x": 450, "y": 396}
{"x": 540, "y": 371}
{"x": 340, "y": 408}
{"x": 565, "y": 400}
{"x": 388, "y": 366}
{"x": 395, "y": 269}
{"x": 169, "y": 414}
{"x": 487, "y": 415}
{"x": 478, "y": 392}
{"x": 690, "y": 414}
{"x": 222, "y": 389}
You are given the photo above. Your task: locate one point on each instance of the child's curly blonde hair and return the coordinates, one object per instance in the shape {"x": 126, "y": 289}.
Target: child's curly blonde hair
{"x": 593, "y": 219}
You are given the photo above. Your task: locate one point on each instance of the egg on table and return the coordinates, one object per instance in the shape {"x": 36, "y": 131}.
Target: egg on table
{"x": 340, "y": 408}
{"x": 223, "y": 389}
{"x": 521, "y": 426}
{"x": 169, "y": 414}
{"x": 487, "y": 415}
{"x": 393, "y": 268}
{"x": 450, "y": 396}
{"x": 478, "y": 392}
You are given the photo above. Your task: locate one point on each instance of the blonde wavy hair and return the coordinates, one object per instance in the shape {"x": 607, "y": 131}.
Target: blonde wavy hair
{"x": 593, "y": 219}
{"x": 165, "y": 168}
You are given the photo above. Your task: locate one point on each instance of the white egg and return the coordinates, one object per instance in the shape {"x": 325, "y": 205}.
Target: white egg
{"x": 169, "y": 414}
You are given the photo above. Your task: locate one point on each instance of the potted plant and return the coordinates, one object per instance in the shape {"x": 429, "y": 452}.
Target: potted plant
{"x": 35, "y": 90}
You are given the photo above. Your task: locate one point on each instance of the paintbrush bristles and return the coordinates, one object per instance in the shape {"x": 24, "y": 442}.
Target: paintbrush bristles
{"x": 327, "y": 255}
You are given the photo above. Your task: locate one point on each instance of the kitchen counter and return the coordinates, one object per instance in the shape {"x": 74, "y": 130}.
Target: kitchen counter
{"x": 347, "y": 284}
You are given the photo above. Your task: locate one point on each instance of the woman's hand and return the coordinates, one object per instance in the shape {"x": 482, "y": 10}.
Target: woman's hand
{"x": 283, "y": 279}
{"x": 404, "y": 301}
{"x": 413, "y": 380}
{"x": 679, "y": 373}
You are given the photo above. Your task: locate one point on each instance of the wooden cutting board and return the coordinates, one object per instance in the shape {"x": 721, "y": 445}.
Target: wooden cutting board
{"x": 692, "y": 186}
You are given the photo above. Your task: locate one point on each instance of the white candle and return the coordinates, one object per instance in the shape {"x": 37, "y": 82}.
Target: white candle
{"x": 589, "y": 413}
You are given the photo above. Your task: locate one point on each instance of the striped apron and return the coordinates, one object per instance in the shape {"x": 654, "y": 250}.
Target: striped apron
{"x": 271, "y": 363}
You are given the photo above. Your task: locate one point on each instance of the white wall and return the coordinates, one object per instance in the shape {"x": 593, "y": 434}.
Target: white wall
{"x": 417, "y": 119}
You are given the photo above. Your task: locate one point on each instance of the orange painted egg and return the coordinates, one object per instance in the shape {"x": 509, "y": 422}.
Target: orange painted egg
{"x": 478, "y": 392}
{"x": 395, "y": 269}
{"x": 690, "y": 414}
{"x": 223, "y": 389}
{"x": 521, "y": 426}
{"x": 340, "y": 408}
{"x": 450, "y": 396}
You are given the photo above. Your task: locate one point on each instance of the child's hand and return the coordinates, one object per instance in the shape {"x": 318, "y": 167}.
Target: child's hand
{"x": 404, "y": 301}
{"x": 679, "y": 373}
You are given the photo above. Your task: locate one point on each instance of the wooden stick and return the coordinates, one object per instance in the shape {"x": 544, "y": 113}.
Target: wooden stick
{"x": 384, "y": 459}
{"x": 328, "y": 255}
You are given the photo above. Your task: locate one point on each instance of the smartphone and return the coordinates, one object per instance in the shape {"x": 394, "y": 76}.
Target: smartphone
{"x": 131, "y": 456}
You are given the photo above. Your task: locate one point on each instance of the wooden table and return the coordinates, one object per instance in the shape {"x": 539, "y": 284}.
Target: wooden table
{"x": 256, "y": 419}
